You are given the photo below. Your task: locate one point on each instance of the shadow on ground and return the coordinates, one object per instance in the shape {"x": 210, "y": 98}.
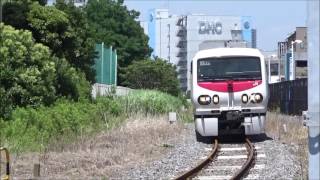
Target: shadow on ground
{"x": 230, "y": 139}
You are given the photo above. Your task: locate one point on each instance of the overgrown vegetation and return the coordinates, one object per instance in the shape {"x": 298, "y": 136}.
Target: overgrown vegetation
{"x": 46, "y": 71}
{"x": 32, "y": 129}
{"x": 69, "y": 34}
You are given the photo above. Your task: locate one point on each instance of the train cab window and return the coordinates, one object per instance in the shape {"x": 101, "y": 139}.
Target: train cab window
{"x": 229, "y": 68}
{"x": 191, "y": 68}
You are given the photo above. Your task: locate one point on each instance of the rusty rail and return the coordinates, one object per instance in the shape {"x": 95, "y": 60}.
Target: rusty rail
{"x": 202, "y": 164}
{"x": 244, "y": 169}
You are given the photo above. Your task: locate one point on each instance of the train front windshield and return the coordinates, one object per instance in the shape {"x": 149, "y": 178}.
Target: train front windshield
{"x": 229, "y": 68}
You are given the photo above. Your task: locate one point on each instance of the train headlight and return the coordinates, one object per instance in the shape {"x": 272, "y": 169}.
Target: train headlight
{"x": 258, "y": 97}
{"x": 215, "y": 99}
{"x": 204, "y": 99}
{"x": 244, "y": 98}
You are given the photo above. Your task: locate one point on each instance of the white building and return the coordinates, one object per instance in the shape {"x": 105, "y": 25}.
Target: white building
{"x": 272, "y": 66}
{"x": 177, "y": 38}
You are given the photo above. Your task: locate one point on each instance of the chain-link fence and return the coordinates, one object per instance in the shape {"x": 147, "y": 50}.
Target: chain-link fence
{"x": 106, "y": 65}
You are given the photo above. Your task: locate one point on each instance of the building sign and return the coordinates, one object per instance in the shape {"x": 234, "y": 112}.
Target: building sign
{"x": 206, "y": 27}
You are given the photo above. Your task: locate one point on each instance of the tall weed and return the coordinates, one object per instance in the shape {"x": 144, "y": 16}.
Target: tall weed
{"x": 150, "y": 102}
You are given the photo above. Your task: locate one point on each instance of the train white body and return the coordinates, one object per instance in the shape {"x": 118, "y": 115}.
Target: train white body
{"x": 229, "y": 91}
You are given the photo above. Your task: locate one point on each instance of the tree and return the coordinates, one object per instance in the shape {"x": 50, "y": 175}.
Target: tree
{"x": 71, "y": 83}
{"x": 66, "y": 33}
{"x": 50, "y": 27}
{"x": 116, "y": 26}
{"x": 152, "y": 74}
{"x": 82, "y": 57}
{"x": 64, "y": 30}
{"x": 15, "y": 14}
{"x": 27, "y": 71}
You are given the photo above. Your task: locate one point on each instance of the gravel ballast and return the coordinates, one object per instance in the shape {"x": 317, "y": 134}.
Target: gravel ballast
{"x": 280, "y": 162}
{"x": 182, "y": 156}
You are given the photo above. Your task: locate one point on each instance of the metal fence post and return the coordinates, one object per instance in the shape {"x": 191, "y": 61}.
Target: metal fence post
{"x": 313, "y": 121}
{"x": 7, "y": 176}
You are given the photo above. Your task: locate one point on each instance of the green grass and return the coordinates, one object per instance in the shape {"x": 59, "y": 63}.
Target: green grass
{"x": 32, "y": 129}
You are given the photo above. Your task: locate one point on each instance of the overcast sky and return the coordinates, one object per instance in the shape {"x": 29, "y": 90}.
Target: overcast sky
{"x": 272, "y": 19}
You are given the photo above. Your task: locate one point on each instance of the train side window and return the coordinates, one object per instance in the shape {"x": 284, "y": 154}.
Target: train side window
{"x": 191, "y": 67}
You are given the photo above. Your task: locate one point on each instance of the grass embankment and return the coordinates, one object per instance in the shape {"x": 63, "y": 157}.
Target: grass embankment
{"x": 34, "y": 129}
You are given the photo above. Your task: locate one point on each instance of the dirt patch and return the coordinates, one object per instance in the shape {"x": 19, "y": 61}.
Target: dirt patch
{"x": 139, "y": 140}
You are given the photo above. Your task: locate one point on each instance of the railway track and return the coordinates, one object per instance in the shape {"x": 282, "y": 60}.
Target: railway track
{"x": 204, "y": 169}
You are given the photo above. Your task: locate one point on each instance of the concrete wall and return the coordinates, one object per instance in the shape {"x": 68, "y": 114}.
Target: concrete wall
{"x": 105, "y": 90}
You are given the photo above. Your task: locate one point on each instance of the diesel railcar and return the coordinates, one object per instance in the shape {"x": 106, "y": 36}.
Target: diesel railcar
{"x": 229, "y": 90}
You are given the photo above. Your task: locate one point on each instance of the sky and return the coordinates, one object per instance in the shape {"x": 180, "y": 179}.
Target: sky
{"x": 274, "y": 20}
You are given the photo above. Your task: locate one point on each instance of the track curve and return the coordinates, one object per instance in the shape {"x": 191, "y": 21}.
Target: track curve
{"x": 244, "y": 169}
{"x": 213, "y": 154}
{"x": 202, "y": 164}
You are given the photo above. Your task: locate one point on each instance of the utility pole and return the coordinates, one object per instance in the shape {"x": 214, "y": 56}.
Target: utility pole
{"x": 313, "y": 114}
{"x": 169, "y": 45}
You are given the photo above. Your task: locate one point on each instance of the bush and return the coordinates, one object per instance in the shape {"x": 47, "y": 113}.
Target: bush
{"x": 33, "y": 128}
{"x": 152, "y": 74}
{"x": 71, "y": 82}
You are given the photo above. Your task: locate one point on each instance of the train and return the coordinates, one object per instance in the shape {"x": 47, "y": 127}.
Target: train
{"x": 229, "y": 91}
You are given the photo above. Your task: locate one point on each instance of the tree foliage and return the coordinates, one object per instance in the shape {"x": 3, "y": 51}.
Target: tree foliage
{"x": 15, "y": 14}
{"x": 66, "y": 32}
{"x": 83, "y": 44}
{"x": 152, "y": 74}
{"x": 116, "y": 26}
{"x": 27, "y": 75}
{"x": 64, "y": 29}
{"x": 50, "y": 27}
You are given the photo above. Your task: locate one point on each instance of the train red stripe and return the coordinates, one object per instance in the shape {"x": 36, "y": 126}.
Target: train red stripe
{"x": 236, "y": 85}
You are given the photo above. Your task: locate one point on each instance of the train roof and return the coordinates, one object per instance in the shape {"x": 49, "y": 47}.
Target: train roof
{"x": 220, "y": 52}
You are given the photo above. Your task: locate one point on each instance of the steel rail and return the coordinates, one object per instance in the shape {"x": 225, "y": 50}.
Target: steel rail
{"x": 202, "y": 164}
{"x": 244, "y": 169}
